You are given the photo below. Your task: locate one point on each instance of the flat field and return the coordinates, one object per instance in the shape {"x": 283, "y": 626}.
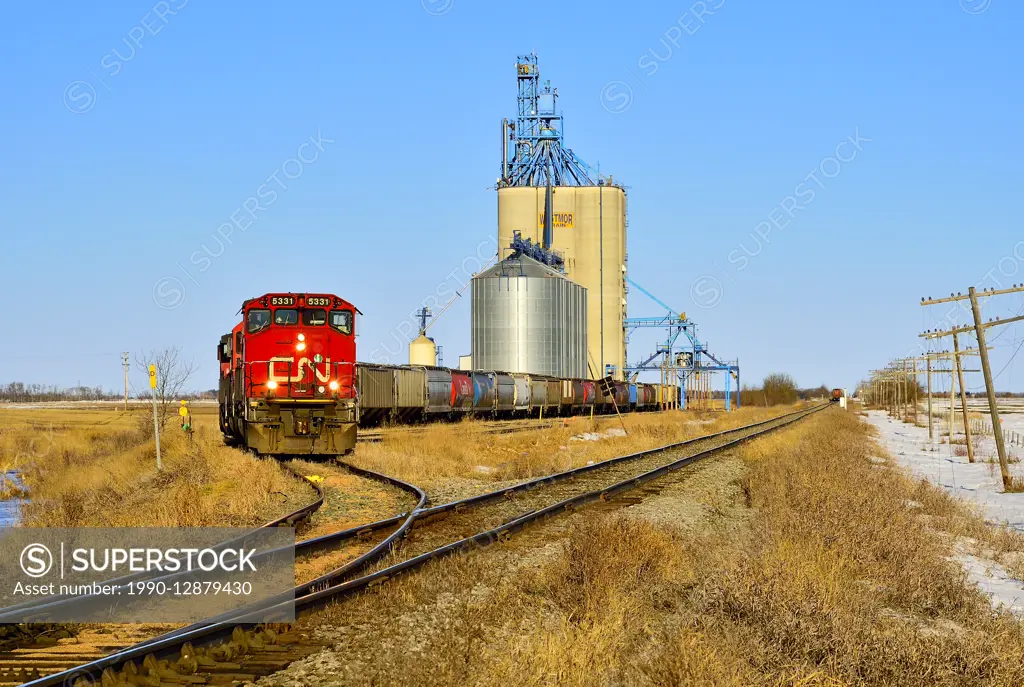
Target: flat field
{"x": 96, "y": 466}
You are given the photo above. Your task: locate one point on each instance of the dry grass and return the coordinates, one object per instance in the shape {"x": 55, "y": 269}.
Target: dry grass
{"x": 443, "y": 452}
{"x": 1016, "y": 485}
{"x": 842, "y": 578}
{"x": 98, "y": 468}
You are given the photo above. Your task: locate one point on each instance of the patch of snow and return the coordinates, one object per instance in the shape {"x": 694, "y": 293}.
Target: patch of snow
{"x": 994, "y": 581}
{"x": 598, "y": 436}
{"x": 586, "y": 436}
{"x": 979, "y": 483}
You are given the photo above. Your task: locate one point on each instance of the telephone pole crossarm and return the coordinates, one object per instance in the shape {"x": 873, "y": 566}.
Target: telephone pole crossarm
{"x": 966, "y": 296}
{"x": 970, "y": 328}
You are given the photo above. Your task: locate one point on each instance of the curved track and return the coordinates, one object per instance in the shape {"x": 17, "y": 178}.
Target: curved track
{"x": 244, "y": 647}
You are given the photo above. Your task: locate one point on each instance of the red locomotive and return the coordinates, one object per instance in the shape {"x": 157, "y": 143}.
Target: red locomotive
{"x": 287, "y": 382}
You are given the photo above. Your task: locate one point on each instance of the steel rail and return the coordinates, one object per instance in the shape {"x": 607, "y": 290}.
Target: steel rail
{"x": 218, "y": 629}
{"x": 302, "y": 513}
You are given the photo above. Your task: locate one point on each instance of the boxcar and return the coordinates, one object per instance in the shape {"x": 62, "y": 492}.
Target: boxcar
{"x": 483, "y": 392}
{"x": 577, "y": 394}
{"x": 439, "y": 392}
{"x": 566, "y": 395}
{"x": 621, "y": 395}
{"x": 538, "y": 395}
{"x": 375, "y": 388}
{"x": 522, "y": 386}
{"x": 410, "y": 393}
{"x": 589, "y": 394}
{"x": 462, "y": 392}
{"x": 554, "y": 397}
{"x": 505, "y": 396}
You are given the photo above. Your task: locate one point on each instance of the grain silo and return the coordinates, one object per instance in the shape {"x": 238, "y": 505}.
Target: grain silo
{"x": 550, "y": 196}
{"x": 528, "y": 317}
{"x": 589, "y": 230}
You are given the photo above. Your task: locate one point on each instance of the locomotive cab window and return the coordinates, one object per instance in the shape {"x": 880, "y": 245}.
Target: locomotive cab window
{"x": 342, "y": 321}
{"x": 314, "y": 317}
{"x": 286, "y": 316}
{"x": 224, "y": 351}
{"x": 257, "y": 320}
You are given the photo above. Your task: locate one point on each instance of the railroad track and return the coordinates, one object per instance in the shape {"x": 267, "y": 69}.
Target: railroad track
{"x": 229, "y": 649}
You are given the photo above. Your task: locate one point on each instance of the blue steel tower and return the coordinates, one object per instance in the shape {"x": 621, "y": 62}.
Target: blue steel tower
{"x": 532, "y": 150}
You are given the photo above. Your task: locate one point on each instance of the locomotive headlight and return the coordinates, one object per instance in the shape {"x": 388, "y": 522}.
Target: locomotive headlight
{"x": 302, "y": 337}
{"x": 333, "y": 385}
{"x": 271, "y": 384}
{"x": 320, "y": 389}
{"x": 300, "y": 346}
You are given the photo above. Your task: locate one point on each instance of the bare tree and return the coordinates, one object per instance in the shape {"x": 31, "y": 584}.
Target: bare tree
{"x": 172, "y": 373}
{"x": 779, "y": 389}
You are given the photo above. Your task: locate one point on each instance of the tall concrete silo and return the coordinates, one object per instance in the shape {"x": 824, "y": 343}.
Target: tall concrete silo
{"x": 589, "y": 230}
{"x": 528, "y": 317}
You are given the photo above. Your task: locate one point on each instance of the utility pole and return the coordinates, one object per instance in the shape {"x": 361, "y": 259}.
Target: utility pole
{"x": 898, "y": 406}
{"x": 906, "y": 391}
{"x": 124, "y": 359}
{"x": 963, "y": 397}
{"x": 997, "y": 429}
{"x": 931, "y": 435}
{"x": 979, "y": 331}
{"x": 952, "y": 405}
{"x": 915, "y": 392}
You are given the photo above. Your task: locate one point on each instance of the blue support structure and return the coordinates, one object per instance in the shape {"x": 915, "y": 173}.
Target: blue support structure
{"x": 532, "y": 150}
{"x": 682, "y": 360}
{"x": 728, "y": 396}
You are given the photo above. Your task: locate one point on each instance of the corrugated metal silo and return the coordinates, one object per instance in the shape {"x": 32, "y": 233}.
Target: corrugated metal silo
{"x": 529, "y": 318}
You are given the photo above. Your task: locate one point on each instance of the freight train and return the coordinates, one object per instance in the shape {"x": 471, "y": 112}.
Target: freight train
{"x": 290, "y": 384}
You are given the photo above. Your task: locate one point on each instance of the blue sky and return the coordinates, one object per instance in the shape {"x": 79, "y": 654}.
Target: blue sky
{"x": 134, "y": 131}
